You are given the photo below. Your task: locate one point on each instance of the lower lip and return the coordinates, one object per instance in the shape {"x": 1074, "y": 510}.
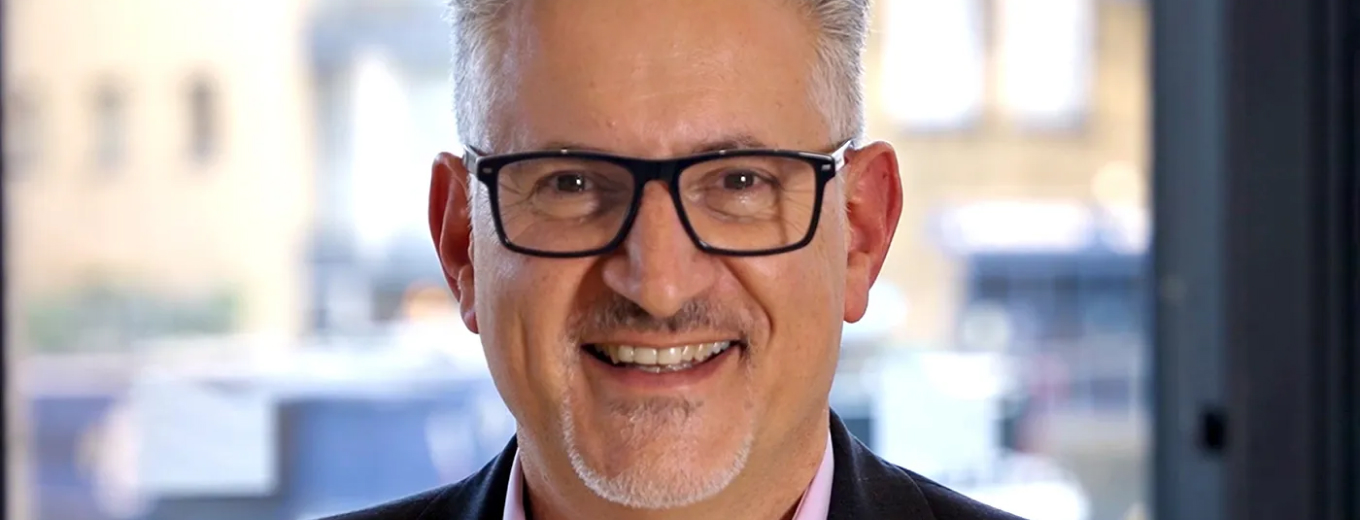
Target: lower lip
{"x": 679, "y": 379}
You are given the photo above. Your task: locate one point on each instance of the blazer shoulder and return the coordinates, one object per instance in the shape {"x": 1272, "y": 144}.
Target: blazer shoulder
{"x": 480, "y": 496}
{"x": 948, "y": 504}
{"x": 865, "y": 486}
{"x": 407, "y": 508}
{"x": 942, "y": 502}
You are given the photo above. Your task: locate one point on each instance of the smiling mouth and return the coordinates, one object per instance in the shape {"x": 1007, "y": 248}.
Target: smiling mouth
{"x": 658, "y": 360}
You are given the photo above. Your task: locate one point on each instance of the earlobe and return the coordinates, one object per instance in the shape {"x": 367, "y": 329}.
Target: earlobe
{"x": 873, "y": 208}
{"x": 451, "y": 229}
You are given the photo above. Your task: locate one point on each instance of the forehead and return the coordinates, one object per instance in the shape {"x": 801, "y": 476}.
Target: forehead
{"x": 657, "y": 77}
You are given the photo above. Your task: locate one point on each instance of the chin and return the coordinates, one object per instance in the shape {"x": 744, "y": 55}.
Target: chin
{"x": 656, "y": 454}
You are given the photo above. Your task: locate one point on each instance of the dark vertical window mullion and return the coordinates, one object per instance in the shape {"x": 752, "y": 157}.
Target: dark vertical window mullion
{"x": 1186, "y": 283}
{"x": 1289, "y": 138}
{"x": 1338, "y": 236}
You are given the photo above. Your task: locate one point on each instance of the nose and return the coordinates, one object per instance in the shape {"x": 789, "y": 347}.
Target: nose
{"x": 658, "y": 267}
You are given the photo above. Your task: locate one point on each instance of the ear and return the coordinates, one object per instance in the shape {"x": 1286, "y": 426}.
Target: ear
{"x": 873, "y": 191}
{"x": 451, "y": 229}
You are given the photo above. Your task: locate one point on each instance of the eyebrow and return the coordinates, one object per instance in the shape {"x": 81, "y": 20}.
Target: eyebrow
{"x": 729, "y": 142}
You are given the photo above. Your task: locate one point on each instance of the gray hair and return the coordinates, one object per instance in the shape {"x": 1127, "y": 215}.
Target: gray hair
{"x": 837, "y": 81}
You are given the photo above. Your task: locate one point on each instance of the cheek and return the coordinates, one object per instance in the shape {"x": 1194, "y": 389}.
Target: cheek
{"x": 805, "y": 316}
{"x": 523, "y": 304}
{"x": 802, "y": 298}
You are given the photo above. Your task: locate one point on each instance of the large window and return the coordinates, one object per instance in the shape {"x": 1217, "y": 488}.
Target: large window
{"x": 1045, "y": 51}
{"x": 947, "y": 64}
{"x": 933, "y": 64}
{"x": 279, "y": 343}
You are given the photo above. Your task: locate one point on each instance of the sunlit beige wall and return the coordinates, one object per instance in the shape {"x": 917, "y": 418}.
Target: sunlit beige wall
{"x": 995, "y": 160}
{"x": 162, "y": 221}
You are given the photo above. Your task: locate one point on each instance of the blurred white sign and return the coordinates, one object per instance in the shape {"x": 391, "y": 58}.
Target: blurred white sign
{"x": 1030, "y": 226}
{"x": 937, "y": 412}
{"x": 1014, "y": 226}
{"x": 194, "y": 438}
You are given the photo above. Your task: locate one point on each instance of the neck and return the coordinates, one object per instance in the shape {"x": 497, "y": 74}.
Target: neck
{"x": 770, "y": 487}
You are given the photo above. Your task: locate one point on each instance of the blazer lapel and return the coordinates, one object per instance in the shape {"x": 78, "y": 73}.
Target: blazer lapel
{"x": 478, "y": 497}
{"x": 865, "y": 487}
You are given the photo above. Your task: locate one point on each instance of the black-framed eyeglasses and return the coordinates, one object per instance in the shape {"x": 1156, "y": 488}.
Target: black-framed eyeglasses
{"x": 570, "y": 203}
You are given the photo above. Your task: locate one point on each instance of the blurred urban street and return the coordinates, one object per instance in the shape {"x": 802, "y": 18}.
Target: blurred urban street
{"x": 223, "y": 301}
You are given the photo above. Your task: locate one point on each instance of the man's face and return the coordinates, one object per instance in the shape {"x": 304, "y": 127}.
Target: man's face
{"x": 658, "y": 79}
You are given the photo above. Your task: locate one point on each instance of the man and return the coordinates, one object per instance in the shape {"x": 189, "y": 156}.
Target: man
{"x": 661, "y": 222}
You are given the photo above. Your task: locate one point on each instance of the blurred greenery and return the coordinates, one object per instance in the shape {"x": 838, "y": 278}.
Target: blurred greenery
{"x": 104, "y": 317}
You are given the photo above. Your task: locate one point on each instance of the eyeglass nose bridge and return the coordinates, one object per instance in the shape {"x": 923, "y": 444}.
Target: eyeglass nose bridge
{"x": 667, "y": 172}
{"x": 646, "y": 171}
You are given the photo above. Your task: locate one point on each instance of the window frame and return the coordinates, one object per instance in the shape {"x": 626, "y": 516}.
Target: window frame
{"x": 24, "y": 113}
{"x": 204, "y": 115}
{"x": 1255, "y": 260}
{"x": 111, "y": 126}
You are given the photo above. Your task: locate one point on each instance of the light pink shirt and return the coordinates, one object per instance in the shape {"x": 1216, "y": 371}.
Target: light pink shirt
{"x": 814, "y": 505}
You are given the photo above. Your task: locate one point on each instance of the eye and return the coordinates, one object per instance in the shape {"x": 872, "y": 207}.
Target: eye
{"x": 740, "y": 180}
{"x": 568, "y": 182}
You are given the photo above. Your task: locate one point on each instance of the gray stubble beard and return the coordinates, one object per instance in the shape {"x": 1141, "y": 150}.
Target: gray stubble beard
{"x": 671, "y": 480}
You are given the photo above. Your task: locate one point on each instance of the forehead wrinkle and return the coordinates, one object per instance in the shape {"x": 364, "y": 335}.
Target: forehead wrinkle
{"x": 678, "y": 120}
{"x": 655, "y": 94}
{"x": 698, "y": 43}
{"x": 669, "y": 91}
{"x": 734, "y": 141}
{"x": 655, "y": 130}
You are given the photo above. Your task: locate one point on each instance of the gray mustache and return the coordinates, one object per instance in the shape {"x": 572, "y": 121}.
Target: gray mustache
{"x": 618, "y": 313}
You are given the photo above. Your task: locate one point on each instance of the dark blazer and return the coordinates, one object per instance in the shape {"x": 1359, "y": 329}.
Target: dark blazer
{"x": 863, "y": 487}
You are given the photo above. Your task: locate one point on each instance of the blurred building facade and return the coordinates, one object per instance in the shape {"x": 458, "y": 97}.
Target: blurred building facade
{"x": 159, "y": 173}
{"x": 1020, "y": 129}
{"x": 158, "y": 181}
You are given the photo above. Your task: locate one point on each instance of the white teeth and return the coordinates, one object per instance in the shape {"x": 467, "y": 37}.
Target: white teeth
{"x": 644, "y": 356}
{"x": 709, "y": 350}
{"x": 668, "y": 356}
{"x": 653, "y": 360}
{"x": 713, "y": 349}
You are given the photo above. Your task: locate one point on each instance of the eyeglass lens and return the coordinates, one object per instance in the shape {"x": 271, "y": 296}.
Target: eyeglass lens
{"x": 572, "y": 204}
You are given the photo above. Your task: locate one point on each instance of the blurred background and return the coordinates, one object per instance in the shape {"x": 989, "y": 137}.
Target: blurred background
{"x": 222, "y": 301}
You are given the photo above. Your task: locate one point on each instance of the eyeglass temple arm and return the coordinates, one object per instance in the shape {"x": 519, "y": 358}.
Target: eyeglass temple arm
{"x": 839, "y": 154}
{"x": 470, "y": 159}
